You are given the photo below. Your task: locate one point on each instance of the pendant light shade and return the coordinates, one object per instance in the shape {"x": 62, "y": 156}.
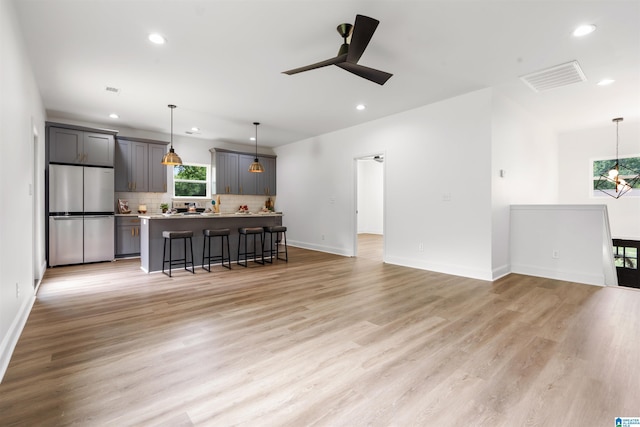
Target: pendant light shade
{"x": 171, "y": 158}
{"x": 256, "y": 167}
{"x": 620, "y": 179}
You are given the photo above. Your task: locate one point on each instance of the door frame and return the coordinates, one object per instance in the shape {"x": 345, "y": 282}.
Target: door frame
{"x": 370, "y": 156}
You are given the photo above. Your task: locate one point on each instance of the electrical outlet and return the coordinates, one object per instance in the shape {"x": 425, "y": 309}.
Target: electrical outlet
{"x": 421, "y": 247}
{"x": 17, "y": 290}
{"x": 555, "y": 254}
{"x": 323, "y": 237}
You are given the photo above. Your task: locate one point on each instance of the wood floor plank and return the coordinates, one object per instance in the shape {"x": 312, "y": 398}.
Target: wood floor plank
{"x": 323, "y": 340}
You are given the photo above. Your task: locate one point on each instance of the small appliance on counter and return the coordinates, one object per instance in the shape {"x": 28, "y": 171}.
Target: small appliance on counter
{"x": 188, "y": 208}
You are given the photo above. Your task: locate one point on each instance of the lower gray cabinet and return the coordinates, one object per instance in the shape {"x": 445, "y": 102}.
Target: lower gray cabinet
{"x": 127, "y": 236}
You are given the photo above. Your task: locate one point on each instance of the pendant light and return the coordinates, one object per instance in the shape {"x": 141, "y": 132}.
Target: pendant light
{"x": 171, "y": 158}
{"x": 256, "y": 166}
{"x": 614, "y": 183}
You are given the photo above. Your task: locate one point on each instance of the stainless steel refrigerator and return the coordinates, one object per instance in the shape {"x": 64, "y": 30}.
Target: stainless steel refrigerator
{"x": 81, "y": 214}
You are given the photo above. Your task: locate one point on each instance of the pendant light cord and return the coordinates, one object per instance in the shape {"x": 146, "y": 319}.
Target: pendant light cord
{"x": 172, "y": 107}
{"x": 256, "y": 124}
{"x": 617, "y": 138}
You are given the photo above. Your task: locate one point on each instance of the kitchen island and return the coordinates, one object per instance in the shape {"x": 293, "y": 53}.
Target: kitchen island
{"x": 152, "y": 226}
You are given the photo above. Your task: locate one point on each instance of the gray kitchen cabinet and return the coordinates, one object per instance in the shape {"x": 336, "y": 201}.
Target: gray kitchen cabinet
{"x": 77, "y": 146}
{"x": 266, "y": 181}
{"x": 246, "y": 179}
{"x": 226, "y": 173}
{"x": 260, "y": 184}
{"x": 233, "y": 176}
{"x": 127, "y": 236}
{"x": 157, "y": 171}
{"x": 138, "y": 166}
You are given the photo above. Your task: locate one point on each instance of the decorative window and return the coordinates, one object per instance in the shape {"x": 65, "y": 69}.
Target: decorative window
{"x": 626, "y": 257}
{"x": 191, "y": 180}
{"x": 629, "y": 168}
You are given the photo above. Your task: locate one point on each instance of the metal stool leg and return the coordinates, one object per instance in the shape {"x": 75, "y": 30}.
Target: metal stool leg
{"x": 193, "y": 267}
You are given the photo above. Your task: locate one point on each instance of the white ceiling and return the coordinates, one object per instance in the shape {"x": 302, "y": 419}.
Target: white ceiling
{"x": 223, "y": 61}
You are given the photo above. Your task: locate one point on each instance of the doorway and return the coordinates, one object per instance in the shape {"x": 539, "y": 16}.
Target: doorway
{"x": 369, "y": 237}
{"x": 36, "y": 210}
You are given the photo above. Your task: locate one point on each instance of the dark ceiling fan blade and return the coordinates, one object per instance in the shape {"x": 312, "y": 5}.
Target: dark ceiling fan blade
{"x": 363, "y": 30}
{"x": 371, "y": 74}
{"x": 333, "y": 61}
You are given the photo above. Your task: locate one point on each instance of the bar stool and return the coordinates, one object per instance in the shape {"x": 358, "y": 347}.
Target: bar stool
{"x": 246, "y": 232}
{"x": 169, "y": 237}
{"x": 278, "y": 230}
{"x": 210, "y": 234}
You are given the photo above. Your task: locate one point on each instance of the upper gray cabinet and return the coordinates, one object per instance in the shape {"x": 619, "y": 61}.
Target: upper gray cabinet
{"x": 233, "y": 176}
{"x": 266, "y": 181}
{"x": 227, "y": 173}
{"x": 138, "y": 166}
{"x": 157, "y": 171}
{"x": 80, "y": 147}
{"x": 247, "y": 180}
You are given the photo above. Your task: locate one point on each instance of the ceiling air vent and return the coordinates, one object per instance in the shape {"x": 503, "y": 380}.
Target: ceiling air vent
{"x": 560, "y": 75}
{"x": 112, "y": 89}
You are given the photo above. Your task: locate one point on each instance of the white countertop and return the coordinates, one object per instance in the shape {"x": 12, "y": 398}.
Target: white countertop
{"x": 204, "y": 215}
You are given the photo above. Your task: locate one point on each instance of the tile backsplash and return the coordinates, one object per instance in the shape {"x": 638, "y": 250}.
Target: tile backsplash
{"x": 151, "y": 200}
{"x": 229, "y": 203}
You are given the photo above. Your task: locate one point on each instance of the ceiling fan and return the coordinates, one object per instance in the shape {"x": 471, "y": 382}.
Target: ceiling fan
{"x": 349, "y": 53}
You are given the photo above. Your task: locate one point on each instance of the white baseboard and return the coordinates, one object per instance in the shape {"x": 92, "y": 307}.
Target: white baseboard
{"x": 13, "y": 334}
{"x": 568, "y": 276}
{"x": 319, "y": 248}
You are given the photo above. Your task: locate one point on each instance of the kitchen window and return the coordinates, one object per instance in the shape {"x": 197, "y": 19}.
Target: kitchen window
{"x": 191, "y": 180}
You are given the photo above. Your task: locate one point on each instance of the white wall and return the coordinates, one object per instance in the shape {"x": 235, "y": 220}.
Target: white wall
{"x": 438, "y": 186}
{"x": 526, "y": 152}
{"x": 576, "y": 152}
{"x": 21, "y": 113}
{"x": 370, "y": 196}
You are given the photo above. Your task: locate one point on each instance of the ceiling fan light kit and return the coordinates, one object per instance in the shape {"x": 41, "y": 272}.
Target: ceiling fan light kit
{"x": 349, "y": 53}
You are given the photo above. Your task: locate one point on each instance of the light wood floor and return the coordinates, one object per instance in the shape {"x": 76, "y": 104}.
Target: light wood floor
{"x": 321, "y": 341}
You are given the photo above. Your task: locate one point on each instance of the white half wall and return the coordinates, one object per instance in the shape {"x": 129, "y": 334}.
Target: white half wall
{"x": 563, "y": 242}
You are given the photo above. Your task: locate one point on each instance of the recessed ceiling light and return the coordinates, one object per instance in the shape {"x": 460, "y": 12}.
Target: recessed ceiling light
{"x": 195, "y": 129}
{"x": 114, "y": 116}
{"x": 253, "y": 138}
{"x": 157, "y": 38}
{"x": 605, "y": 82}
{"x": 360, "y": 107}
{"x": 583, "y": 30}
